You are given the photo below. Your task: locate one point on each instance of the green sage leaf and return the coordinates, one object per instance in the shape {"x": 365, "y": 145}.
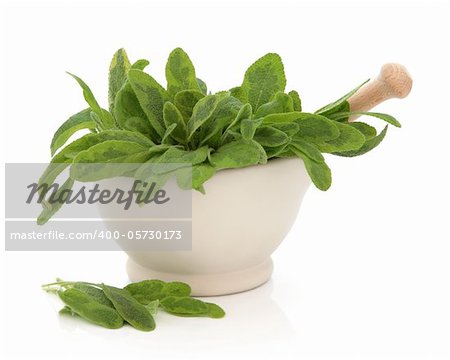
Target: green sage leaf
{"x": 151, "y": 97}
{"x": 129, "y": 308}
{"x": 180, "y": 73}
{"x": 368, "y": 145}
{"x": 330, "y": 108}
{"x": 235, "y": 154}
{"x": 281, "y": 103}
{"x": 296, "y": 101}
{"x": 173, "y": 116}
{"x": 117, "y": 75}
{"x": 386, "y": 117}
{"x": 262, "y": 80}
{"x": 90, "y": 310}
{"x": 81, "y": 120}
{"x": 202, "y": 111}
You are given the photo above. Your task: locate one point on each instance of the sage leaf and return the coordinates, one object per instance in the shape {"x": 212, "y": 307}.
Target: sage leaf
{"x": 276, "y": 151}
{"x": 166, "y": 138}
{"x": 90, "y": 310}
{"x": 118, "y": 70}
{"x": 226, "y": 111}
{"x": 173, "y": 116}
{"x": 296, "y": 102}
{"x": 290, "y": 129}
{"x": 262, "y": 153}
{"x": 188, "y": 307}
{"x": 151, "y": 97}
{"x": 152, "y": 307}
{"x": 245, "y": 112}
{"x": 94, "y": 292}
{"x": 262, "y": 80}
{"x": 202, "y": 86}
{"x": 173, "y": 157}
{"x": 129, "y": 153}
{"x": 195, "y": 176}
{"x": 129, "y": 114}
{"x": 319, "y": 172}
{"x": 146, "y": 291}
{"x": 249, "y": 126}
{"x": 129, "y": 308}
{"x": 81, "y": 120}
{"x": 315, "y": 128}
{"x": 388, "y": 118}
{"x": 269, "y": 136}
{"x": 235, "y": 154}
{"x": 330, "y": 108}
{"x": 67, "y": 311}
{"x": 349, "y": 139}
{"x": 281, "y": 103}
{"x": 215, "y": 311}
{"x": 65, "y": 157}
{"x": 202, "y": 112}
{"x": 180, "y": 73}
{"x": 185, "y": 101}
{"x": 176, "y": 288}
{"x": 184, "y": 306}
{"x": 107, "y": 121}
{"x": 368, "y": 131}
{"x": 140, "y": 64}
{"x": 368, "y": 145}
{"x": 50, "y": 208}
{"x": 309, "y": 150}
{"x": 201, "y": 173}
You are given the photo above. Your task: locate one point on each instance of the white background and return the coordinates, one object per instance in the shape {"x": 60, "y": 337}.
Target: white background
{"x": 363, "y": 273}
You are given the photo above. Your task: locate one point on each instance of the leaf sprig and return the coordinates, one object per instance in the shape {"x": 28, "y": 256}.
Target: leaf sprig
{"x": 135, "y": 304}
{"x": 184, "y": 123}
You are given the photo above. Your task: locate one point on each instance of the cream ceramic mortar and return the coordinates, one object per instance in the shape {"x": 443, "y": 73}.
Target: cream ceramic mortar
{"x": 246, "y": 213}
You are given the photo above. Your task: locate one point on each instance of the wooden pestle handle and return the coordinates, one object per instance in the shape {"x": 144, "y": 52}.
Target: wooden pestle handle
{"x": 393, "y": 81}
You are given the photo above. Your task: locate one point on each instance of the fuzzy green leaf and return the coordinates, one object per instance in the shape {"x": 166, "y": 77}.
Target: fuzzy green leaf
{"x": 180, "y": 73}
{"x": 117, "y": 75}
{"x": 202, "y": 112}
{"x": 226, "y": 111}
{"x": 81, "y": 120}
{"x": 151, "y": 97}
{"x": 249, "y": 126}
{"x": 129, "y": 114}
{"x": 140, "y": 64}
{"x": 202, "y": 86}
{"x": 290, "y": 129}
{"x": 388, "y": 118}
{"x": 349, "y": 139}
{"x": 90, "y": 310}
{"x": 186, "y": 100}
{"x": 173, "y": 116}
{"x": 319, "y": 172}
{"x": 296, "y": 101}
{"x": 331, "y": 108}
{"x": 107, "y": 121}
{"x": 245, "y": 112}
{"x": 128, "y": 153}
{"x": 129, "y": 308}
{"x": 50, "y": 208}
{"x": 309, "y": 150}
{"x": 281, "y": 103}
{"x": 269, "y": 136}
{"x": 235, "y": 154}
{"x": 262, "y": 80}
{"x": 368, "y": 145}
